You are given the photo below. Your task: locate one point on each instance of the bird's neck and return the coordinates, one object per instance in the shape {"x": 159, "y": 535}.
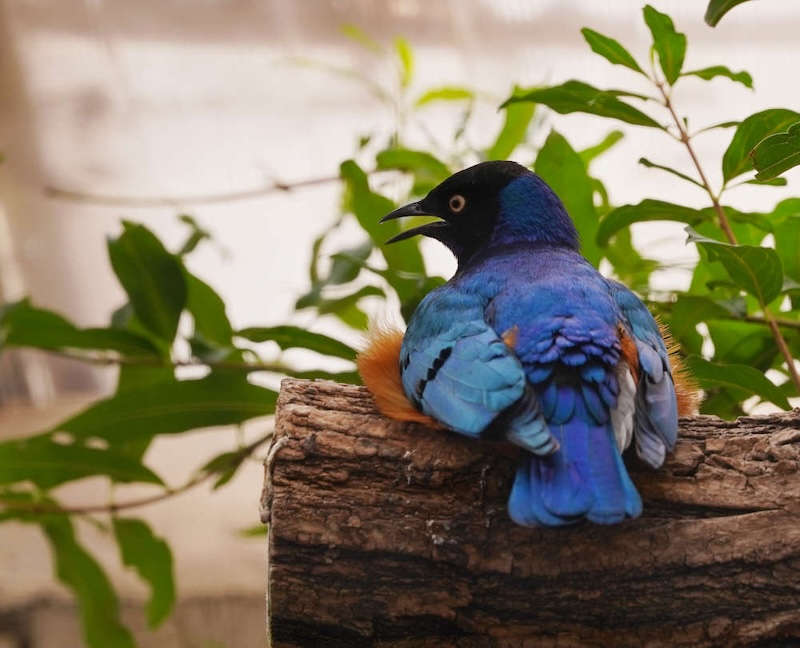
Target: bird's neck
{"x": 530, "y": 212}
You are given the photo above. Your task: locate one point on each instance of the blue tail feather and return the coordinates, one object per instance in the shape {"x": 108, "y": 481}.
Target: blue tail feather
{"x": 585, "y": 479}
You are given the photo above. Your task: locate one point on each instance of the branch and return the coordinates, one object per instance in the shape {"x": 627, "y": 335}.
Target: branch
{"x": 73, "y": 195}
{"x": 201, "y": 477}
{"x": 726, "y": 229}
{"x": 154, "y": 361}
{"x": 777, "y": 320}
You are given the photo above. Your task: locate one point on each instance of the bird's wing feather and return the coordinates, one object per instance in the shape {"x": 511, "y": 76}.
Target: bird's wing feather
{"x": 454, "y": 365}
{"x": 656, "y": 414}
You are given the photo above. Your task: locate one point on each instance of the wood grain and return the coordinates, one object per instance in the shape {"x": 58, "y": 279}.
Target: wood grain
{"x": 391, "y": 534}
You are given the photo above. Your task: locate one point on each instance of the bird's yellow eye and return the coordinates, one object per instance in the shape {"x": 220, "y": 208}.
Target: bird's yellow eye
{"x": 457, "y": 203}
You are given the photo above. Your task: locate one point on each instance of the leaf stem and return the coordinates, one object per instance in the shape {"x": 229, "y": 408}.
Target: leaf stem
{"x": 685, "y": 138}
{"x": 784, "y": 348}
{"x": 112, "y": 507}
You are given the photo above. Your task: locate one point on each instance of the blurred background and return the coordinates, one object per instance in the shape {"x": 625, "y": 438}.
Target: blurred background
{"x": 112, "y": 109}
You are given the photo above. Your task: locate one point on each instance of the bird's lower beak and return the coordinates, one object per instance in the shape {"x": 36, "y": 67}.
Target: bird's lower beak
{"x": 434, "y": 230}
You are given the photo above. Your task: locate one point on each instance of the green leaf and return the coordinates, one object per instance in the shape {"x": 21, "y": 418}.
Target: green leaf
{"x": 720, "y": 70}
{"x": 369, "y": 207}
{"x": 515, "y": 129}
{"x": 171, "y": 407}
{"x": 342, "y": 270}
{"x": 610, "y": 140}
{"x": 563, "y": 169}
{"x": 711, "y": 374}
{"x": 151, "y": 557}
{"x": 358, "y": 35}
{"x": 196, "y": 235}
{"x": 718, "y": 8}
{"x": 772, "y": 182}
{"x": 97, "y": 601}
{"x": 756, "y": 219}
{"x": 46, "y": 463}
{"x": 610, "y": 49}
{"x": 226, "y": 465}
{"x": 652, "y": 165}
{"x": 576, "y": 96}
{"x": 406, "y": 57}
{"x": 725, "y": 124}
{"x": 750, "y": 132}
{"x": 688, "y": 310}
{"x": 445, "y": 93}
{"x": 756, "y": 270}
{"x": 24, "y": 325}
{"x": 647, "y": 210}
{"x": 428, "y": 170}
{"x": 134, "y": 377}
{"x": 777, "y": 153}
{"x": 787, "y": 239}
{"x": 346, "y": 308}
{"x": 256, "y": 531}
{"x": 629, "y": 266}
{"x": 743, "y": 343}
{"x": 287, "y": 337}
{"x": 208, "y": 310}
{"x": 669, "y": 44}
{"x": 424, "y": 285}
{"x": 152, "y": 277}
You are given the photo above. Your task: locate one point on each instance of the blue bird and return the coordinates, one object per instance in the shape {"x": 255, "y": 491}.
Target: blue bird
{"x": 528, "y": 342}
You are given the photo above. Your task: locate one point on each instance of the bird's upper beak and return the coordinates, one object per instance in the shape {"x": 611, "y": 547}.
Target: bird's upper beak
{"x": 412, "y": 209}
{"x": 434, "y": 230}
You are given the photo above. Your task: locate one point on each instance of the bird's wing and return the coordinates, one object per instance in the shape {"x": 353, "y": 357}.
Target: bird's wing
{"x": 656, "y": 409}
{"x": 458, "y": 370}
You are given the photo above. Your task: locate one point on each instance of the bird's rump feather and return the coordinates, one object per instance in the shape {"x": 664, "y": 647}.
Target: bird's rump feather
{"x": 379, "y": 365}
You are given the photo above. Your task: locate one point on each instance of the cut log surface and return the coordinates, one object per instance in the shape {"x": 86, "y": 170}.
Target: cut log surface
{"x": 390, "y": 534}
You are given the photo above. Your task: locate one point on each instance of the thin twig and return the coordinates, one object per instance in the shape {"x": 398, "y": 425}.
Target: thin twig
{"x": 154, "y": 361}
{"x": 685, "y": 138}
{"x": 60, "y": 193}
{"x": 784, "y": 348}
{"x": 777, "y": 320}
{"x": 113, "y": 507}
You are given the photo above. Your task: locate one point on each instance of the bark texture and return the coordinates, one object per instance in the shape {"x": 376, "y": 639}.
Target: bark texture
{"x": 390, "y": 534}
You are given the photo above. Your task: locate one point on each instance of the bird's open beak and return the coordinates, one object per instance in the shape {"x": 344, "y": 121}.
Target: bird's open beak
{"x": 434, "y": 230}
{"x": 412, "y": 209}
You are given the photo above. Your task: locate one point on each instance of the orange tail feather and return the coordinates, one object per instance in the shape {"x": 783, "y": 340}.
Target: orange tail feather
{"x": 686, "y": 388}
{"x": 379, "y": 366}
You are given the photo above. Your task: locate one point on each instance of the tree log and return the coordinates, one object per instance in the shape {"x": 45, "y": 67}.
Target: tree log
{"x": 393, "y": 535}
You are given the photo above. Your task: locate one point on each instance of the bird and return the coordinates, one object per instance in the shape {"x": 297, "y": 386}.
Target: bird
{"x": 530, "y": 344}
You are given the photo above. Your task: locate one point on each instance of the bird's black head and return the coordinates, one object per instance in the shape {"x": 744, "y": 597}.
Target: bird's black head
{"x": 491, "y": 203}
